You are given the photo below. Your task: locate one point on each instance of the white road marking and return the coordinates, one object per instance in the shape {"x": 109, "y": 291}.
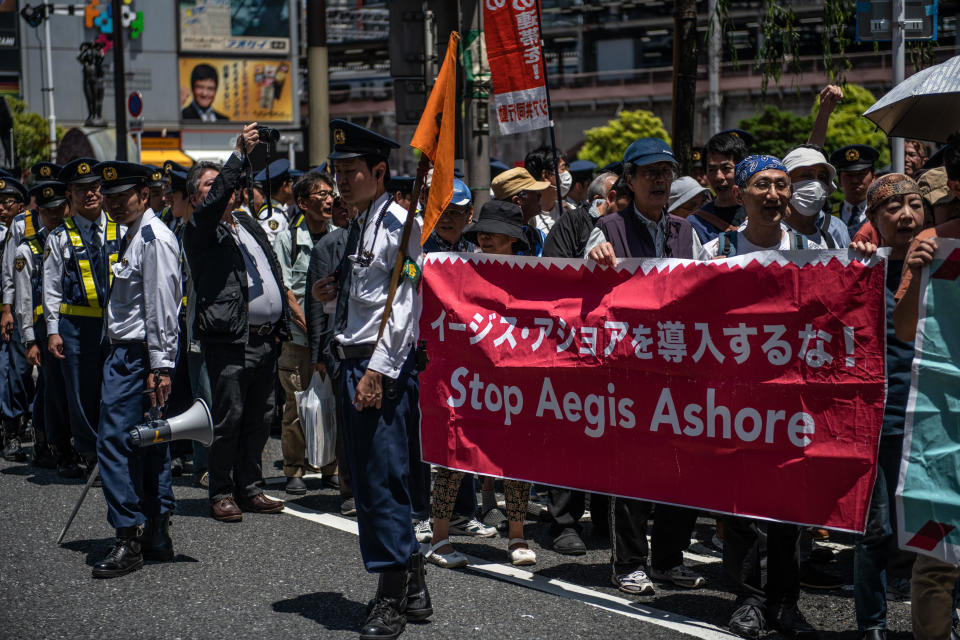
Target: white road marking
{"x": 560, "y": 588}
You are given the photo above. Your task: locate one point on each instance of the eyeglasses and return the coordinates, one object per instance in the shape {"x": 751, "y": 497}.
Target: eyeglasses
{"x": 454, "y": 213}
{"x": 322, "y": 193}
{"x": 661, "y": 173}
{"x": 9, "y": 202}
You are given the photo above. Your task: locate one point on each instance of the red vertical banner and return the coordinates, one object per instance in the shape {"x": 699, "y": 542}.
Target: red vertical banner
{"x": 512, "y": 33}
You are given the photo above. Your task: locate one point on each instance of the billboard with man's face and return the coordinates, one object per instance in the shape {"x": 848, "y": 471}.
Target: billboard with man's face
{"x": 236, "y": 89}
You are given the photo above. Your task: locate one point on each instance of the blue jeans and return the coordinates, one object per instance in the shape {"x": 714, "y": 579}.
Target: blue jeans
{"x": 870, "y": 554}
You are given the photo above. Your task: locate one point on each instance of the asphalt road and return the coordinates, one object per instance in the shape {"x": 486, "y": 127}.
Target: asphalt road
{"x": 299, "y": 574}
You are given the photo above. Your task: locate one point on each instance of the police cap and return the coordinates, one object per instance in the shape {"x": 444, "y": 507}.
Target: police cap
{"x": 43, "y": 171}
{"x": 119, "y": 176}
{"x": 279, "y": 171}
{"x": 352, "y": 141}
{"x": 582, "y": 169}
{"x": 170, "y": 165}
{"x": 854, "y": 157}
{"x": 156, "y": 176}
{"x": 746, "y": 136}
{"x": 497, "y": 167}
{"x": 79, "y": 171}
{"x": 178, "y": 181}
{"x": 49, "y": 194}
{"x": 403, "y": 184}
{"x": 12, "y": 187}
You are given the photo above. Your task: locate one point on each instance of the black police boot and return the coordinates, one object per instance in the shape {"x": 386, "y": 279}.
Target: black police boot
{"x": 124, "y": 557}
{"x": 419, "y": 606}
{"x": 155, "y": 543}
{"x": 66, "y": 463}
{"x": 385, "y": 619}
{"x": 12, "y": 450}
{"x": 43, "y": 457}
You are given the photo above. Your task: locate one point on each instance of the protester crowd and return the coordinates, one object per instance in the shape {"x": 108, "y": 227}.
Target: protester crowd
{"x": 258, "y": 278}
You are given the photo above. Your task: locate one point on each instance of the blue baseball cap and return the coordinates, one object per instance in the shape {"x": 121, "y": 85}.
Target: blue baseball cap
{"x": 461, "y": 193}
{"x": 647, "y": 151}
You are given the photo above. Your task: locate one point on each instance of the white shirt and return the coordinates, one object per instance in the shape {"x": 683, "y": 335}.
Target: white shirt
{"x": 57, "y": 256}
{"x": 11, "y": 240}
{"x": 275, "y": 223}
{"x": 23, "y": 302}
{"x": 263, "y": 290}
{"x": 545, "y": 220}
{"x": 370, "y": 284}
{"x": 709, "y": 251}
{"x": 145, "y": 296}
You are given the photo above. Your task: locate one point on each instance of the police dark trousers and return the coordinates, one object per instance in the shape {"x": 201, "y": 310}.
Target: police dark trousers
{"x": 16, "y": 381}
{"x": 50, "y": 405}
{"x": 741, "y": 562}
{"x": 377, "y": 446}
{"x": 82, "y": 369}
{"x": 137, "y": 484}
{"x": 669, "y": 539}
{"x": 241, "y": 378}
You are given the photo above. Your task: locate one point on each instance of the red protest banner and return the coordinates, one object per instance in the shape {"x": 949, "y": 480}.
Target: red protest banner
{"x": 512, "y": 34}
{"x": 729, "y": 386}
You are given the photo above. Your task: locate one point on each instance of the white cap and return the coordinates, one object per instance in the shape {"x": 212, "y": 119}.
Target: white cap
{"x": 681, "y": 190}
{"x": 807, "y": 157}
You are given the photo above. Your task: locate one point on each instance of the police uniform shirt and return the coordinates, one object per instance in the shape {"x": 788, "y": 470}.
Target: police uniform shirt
{"x": 24, "y": 303}
{"x": 265, "y": 303}
{"x": 58, "y": 253}
{"x": 370, "y": 283}
{"x": 144, "y": 302}
{"x": 12, "y": 240}
{"x": 853, "y": 215}
{"x": 276, "y": 222}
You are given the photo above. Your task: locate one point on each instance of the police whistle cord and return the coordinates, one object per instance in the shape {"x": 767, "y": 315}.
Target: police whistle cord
{"x": 422, "y": 169}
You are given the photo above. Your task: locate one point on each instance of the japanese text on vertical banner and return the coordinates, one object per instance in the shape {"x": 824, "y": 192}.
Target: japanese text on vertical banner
{"x": 512, "y": 32}
{"x": 745, "y": 388}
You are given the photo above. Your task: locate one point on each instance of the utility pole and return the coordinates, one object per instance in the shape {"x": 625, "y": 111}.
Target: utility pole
{"x": 52, "y": 117}
{"x": 714, "y": 43}
{"x": 684, "y": 80}
{"x": 119, "y": 81}
{"x": 318, "y": 74}
{"x": 899, "y": 48}
{"x": 476, "y": 120}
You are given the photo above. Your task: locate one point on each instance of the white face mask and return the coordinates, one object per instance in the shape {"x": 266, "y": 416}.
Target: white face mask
{"x": 566, "y": 181}
{"x": 808, "y": 197}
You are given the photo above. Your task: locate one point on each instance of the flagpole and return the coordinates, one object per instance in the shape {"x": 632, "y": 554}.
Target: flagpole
{"x": 553, "y": 130}
{"x": 422, "y": 169}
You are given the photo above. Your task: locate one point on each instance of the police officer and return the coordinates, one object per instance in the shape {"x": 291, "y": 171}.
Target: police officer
{"x": 157, "y": 184}
{"x": 16, "y": 384}
{"x": 76, "y": 281}
{"x": 854, "y": 163}
{"x": 141, "y": 328}
{"x": 280, "y": 187}
{"x": 45, "y": 171}
{"x": 582, "y": 173}
{"x": 51, "y": 423}
{"x": 378, "y": 381}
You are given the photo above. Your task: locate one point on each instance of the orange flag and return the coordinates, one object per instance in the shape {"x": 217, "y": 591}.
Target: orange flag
{"x": 435, "y": 137}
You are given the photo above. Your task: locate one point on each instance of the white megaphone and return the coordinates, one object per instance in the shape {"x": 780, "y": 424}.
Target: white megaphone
{"x": 195, "y": 423}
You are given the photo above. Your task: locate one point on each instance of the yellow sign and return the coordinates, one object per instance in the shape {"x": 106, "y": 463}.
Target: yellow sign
{"x": 236, "y": 89}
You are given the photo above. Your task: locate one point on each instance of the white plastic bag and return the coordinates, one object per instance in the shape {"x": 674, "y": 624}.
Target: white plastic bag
{"x": 318, "y": 418}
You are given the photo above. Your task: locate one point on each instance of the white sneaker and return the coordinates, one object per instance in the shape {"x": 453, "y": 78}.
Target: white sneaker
{"x": 464, "y": 526}
{"x": 451, "y": 560}
{"x": 680, "y": 576}
{"x": 635, "y": 583}
{"x": 423, "y": 530}
{"x": 521, "y": 556}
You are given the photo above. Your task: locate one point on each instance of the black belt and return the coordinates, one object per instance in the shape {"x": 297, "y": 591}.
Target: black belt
{"x": 352, "y": 352}
{"x": 263, "y": 329}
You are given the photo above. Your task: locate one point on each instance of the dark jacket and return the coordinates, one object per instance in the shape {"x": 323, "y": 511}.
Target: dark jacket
{"x": 630, "y": 238}
{"x": 218, "y": 269}
{"x": 568, "y": 237}
{"x": 192, "y": 112}
{"x": 327, "y": 254}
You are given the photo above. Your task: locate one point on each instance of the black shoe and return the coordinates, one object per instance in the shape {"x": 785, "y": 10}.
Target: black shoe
{"x": 385, "y": 619}
{"x": 68, "y": 469}
{"x": 822, "y": 555}
{"x": 125, "y": 556}
{"x": 748, "y": 621}
{"x": 331, "y": 482}
{"x": 813, "y": 578}
{"x": 176, "y": 467}
{"x": 789, "y": 621}
{"x": 569, "y": 543}
{"x": 419, "y": 606}
{"x": 296, "y": 486}
{"x": 874, "y": 634}
{"x": 13, "y": 450}
{"x": 43, "y": 459}
{"x": 155, "y": 542}
{"x": 348, "y": 508}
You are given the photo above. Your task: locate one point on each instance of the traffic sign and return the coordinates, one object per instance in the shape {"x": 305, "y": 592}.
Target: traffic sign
{"x": 135, "y": 104}
{"x": 135, "y": 125}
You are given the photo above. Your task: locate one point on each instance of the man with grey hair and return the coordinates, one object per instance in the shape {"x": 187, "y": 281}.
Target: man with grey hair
{"x": 568, "y": 237}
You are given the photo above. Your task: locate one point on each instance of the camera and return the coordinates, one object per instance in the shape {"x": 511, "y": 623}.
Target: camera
{"x": 268, "y": 135}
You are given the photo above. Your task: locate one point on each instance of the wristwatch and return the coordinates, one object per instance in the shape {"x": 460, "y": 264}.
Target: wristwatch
{"x": 166, "y": 371}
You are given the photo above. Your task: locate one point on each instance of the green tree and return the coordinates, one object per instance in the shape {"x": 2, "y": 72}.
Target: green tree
{"x": 848, "y": 126}
{"x": 606, "y": 144}
{"x": 777, "y": 131}
{"x": 30, "y": 142}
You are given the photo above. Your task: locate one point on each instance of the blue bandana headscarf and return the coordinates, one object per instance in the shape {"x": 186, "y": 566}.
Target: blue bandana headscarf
{"x": 753, "y": 164}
